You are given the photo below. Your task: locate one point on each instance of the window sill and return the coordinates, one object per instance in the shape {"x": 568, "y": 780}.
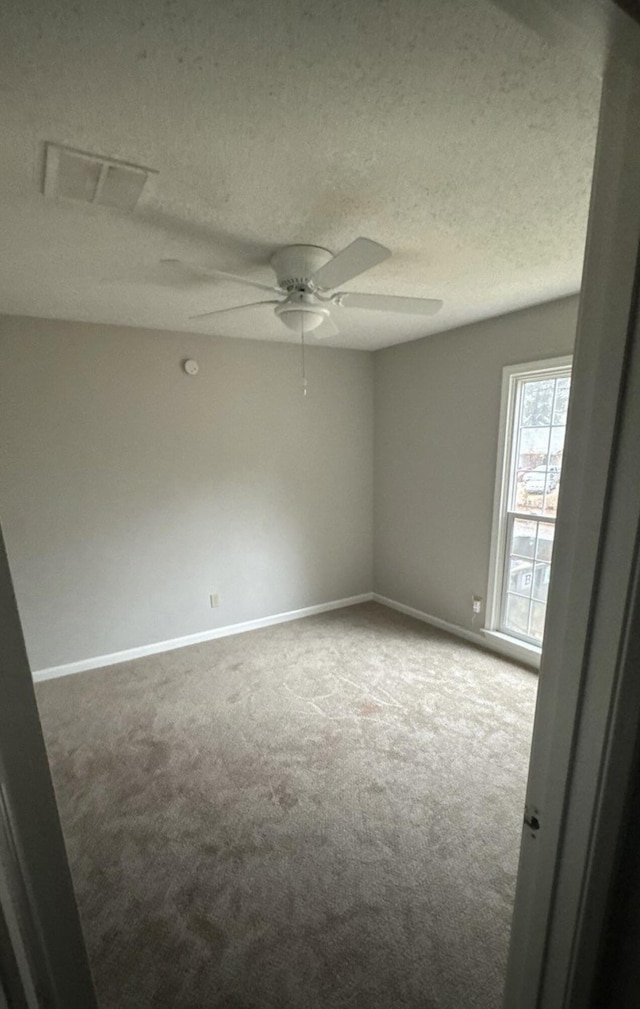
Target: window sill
{"x": 513, "y": 648}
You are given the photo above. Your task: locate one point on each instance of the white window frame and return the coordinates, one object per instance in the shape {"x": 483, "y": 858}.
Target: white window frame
{"x": 512, "y": 375}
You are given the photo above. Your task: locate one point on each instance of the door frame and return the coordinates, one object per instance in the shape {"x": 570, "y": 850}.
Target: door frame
{"x": 43, "y": 957}
{"x": 582, "y": 758}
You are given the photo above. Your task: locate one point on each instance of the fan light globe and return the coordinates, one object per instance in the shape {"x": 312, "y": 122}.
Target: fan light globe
{"x": 299, "y": 319}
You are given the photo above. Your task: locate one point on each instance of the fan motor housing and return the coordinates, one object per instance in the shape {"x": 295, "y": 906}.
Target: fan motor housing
{"x": 294, "y": 265}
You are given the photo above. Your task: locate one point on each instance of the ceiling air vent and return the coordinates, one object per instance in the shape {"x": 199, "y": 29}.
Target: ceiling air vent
{"x": 90, "y": 178}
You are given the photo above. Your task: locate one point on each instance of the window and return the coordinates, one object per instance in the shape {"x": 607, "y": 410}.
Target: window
{"x": 534, "y": 416}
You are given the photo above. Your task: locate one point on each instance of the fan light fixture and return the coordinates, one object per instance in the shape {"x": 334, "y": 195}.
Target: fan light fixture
{"x": 307, "y": 277}
{"x": 301, "y": 312}
{"x": 306, "y": 280}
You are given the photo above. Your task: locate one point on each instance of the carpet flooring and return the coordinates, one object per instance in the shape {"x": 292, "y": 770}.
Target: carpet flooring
{"x": 322, "y": 815}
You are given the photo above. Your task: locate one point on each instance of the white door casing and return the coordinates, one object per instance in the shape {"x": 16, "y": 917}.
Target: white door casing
{"x": 38, "y": 910}
{"x": 589, "y": 697}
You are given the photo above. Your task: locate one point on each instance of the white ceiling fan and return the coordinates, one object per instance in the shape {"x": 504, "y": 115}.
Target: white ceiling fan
{"x": 307, "y": 278}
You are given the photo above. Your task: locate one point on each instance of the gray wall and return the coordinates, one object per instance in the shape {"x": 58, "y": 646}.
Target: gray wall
{"x": 130, "y": 491}
{"x": 436, "y": 430}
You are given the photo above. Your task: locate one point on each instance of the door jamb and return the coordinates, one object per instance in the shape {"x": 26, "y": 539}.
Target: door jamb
{"x": 582, "y": 751}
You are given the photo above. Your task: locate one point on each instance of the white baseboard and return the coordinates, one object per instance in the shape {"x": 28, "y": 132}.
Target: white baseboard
{"x": 98, "y": 661}
{"x": 488, "y": 640}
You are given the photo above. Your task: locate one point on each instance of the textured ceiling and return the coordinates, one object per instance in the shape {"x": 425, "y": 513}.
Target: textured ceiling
{"x": 449, "y": 131}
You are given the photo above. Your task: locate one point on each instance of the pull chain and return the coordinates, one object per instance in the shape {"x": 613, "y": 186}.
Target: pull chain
{"x": 304, "y": 370}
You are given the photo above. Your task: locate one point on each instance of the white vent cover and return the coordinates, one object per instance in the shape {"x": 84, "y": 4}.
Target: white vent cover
{"x": 90, "y": 178}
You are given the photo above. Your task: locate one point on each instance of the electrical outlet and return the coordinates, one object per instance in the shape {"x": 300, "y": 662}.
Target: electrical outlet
{"x": 213, "y": 599}
{"x": 476, "y": 602}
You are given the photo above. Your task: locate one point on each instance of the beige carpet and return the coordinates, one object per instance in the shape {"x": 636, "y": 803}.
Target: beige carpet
{"x": 320, "y": 814}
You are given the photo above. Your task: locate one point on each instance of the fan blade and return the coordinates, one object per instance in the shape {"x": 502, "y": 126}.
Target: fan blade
{"x": 361, "y": 255}
{"x": 234, "y": 308}
{"x": 390, "y": 303}
{"x": 326, "y": 329}
{"x": 204, "y": 271}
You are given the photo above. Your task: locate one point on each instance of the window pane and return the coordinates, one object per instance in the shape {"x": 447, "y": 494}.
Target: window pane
{"x": 550, "y": 503}
{"x": 556, "y": 447}
{"x": 523, "y": 538}
{"x": 537, "y": 485}
{"x": 562, "y": 400}
{"x": 534, "y": 444}
{"x": 529, "y": 501}
{"x": 540, "y": 587}
{"x": 544, "y": 546}
{"x": 527, "y": 580}
{"x": 537, "y": 402}
{"x": 517, "y": 614}
{"x": 520, "y": 576}
{"x": 538, "y": 614}
{"x": 533, "y": 478}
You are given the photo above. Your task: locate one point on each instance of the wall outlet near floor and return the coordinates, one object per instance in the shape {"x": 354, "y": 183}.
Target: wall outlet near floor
{"x": 476, "y": 602}
{"x": 214, "y": 600}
